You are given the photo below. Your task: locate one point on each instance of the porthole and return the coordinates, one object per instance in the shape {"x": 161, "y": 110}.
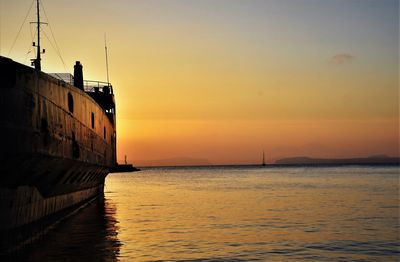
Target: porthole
{"x": 92, "y": 120}
{"x": 70, "y": 103}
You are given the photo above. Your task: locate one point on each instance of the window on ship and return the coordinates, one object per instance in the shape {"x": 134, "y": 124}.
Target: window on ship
{"x": 92, "y": 120}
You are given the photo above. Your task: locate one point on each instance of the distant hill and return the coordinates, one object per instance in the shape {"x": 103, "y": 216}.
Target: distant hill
{"x": 377, "y": 159}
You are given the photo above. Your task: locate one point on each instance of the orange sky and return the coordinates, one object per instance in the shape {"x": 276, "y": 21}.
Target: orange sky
{"x": 220, "y": 81}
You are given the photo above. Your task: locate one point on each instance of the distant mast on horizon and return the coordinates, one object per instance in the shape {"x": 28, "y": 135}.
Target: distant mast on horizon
{"x": 263, "y": 159}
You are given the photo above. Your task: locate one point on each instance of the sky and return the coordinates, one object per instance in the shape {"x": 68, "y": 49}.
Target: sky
{"x": 221, "y": 81}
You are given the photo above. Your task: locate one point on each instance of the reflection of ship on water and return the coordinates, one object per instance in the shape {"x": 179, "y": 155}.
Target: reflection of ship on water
{"x": 89, "y": 235}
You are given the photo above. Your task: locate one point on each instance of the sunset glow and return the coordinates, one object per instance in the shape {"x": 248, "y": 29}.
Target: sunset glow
{"x": 218, "y": 82}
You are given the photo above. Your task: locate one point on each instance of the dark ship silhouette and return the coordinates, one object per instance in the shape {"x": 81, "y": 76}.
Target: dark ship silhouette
{"x": 58, "y": 145}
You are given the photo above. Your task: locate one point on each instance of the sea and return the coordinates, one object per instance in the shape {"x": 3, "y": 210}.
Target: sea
{"x": 236, "y": 213}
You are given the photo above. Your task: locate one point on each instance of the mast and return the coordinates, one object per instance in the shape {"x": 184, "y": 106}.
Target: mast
{"x": 37, "y": 61}
{"x": 263, "y": 160}
{"x": 105, "y": 49}
{"x": 38, "y": 65}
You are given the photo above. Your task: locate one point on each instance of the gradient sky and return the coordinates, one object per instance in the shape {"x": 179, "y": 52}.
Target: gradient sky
{"x": 223, "y": 80}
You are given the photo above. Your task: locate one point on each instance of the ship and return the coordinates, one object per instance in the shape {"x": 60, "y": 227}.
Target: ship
{"x": 58, "y": 143}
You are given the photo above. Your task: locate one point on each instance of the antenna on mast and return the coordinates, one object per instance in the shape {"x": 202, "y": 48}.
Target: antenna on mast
{"x": 105, "y": 49}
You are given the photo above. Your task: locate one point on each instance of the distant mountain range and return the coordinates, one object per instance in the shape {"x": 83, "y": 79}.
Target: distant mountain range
{"x": 377, "y": 159}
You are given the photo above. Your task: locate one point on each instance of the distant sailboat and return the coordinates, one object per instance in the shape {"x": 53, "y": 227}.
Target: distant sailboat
{"x": 263, "y": 160}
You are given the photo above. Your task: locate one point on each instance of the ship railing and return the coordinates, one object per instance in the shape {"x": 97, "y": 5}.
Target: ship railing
{"x": 97, "y": 86}
{"x": 66, "y": 77}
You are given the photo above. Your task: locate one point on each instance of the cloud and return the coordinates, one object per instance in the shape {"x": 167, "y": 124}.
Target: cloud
{"x": 342, "y": 58}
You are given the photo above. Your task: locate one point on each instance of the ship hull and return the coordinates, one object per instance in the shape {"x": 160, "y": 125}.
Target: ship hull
{"x": 58, "y": 145}
{"x": 30, "y": 215}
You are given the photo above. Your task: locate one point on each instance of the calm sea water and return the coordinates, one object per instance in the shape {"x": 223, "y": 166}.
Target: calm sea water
{"x": 235, "y": 214}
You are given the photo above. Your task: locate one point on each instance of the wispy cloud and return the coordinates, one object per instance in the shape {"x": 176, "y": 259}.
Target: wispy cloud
{"x": 342, "y": 58}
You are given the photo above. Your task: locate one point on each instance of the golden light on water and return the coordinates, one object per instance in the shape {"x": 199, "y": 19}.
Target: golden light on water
{"x": 214, "y": 213}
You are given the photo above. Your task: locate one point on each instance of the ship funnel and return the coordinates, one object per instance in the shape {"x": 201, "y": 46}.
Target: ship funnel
{"x": 78, "y": 75}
